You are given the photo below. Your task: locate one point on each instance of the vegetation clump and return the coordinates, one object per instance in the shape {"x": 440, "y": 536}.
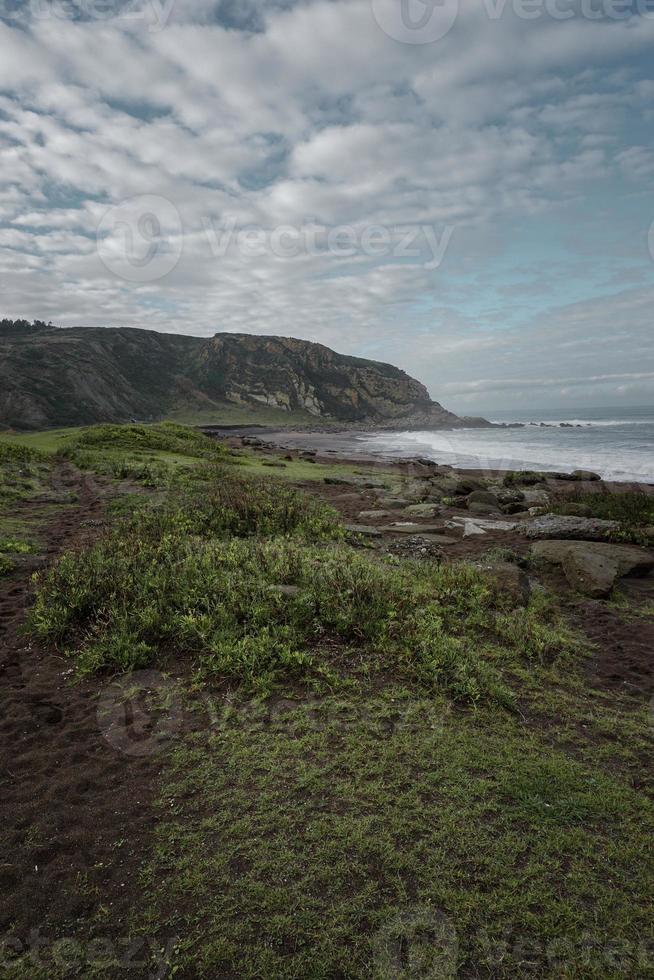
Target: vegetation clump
{"x": 205, "y": 577}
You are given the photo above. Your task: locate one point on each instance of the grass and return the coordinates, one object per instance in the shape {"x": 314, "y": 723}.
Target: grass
{"x": 390, "y": 771}
{"x": 23, "y": 472}
{"x": 393, "y": 838}
{"x": 201, "y": 576}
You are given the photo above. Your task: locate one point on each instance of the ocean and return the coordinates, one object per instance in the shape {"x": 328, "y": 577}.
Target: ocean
{"x": 617, "y": 443}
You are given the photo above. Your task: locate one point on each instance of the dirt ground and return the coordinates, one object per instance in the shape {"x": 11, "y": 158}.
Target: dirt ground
{"x": 68, "y": 797}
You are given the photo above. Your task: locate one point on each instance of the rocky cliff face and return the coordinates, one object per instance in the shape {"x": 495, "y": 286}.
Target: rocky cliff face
{"x": 81, "y": 376}
{"x": 295, "y": 375}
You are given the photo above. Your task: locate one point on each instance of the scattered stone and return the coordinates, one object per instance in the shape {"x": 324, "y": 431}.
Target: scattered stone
{"x": 373, "y": 515}
{"x": 455, "y": 486}
{"x": 408, "y": 527}
{"x": 364, "y": 529}
{"x": 416, "y": 547}
{"x": 575, "y": 528}
{"x": 585, "y": 475}
{"x": 394, "y": 503}
{"x": 509, "y": 579}
{"x": 423, "y": 510}
{"x": 592, "y": 567}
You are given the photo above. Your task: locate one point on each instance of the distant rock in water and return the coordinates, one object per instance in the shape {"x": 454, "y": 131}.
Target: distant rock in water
{"x": 81, "y": 376}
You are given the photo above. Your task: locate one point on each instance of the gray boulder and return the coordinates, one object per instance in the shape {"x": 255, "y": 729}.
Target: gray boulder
{"x": 571, "y": 528}
{"x": 585, "y": 475}
{"x": 593, "y": 567}
{"x": 482, "y": 502}
{"x": 423, "y": 510}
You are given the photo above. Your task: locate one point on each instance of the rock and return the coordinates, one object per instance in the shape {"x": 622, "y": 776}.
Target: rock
{"x": 308, "y": 454}
{"x": 536, "y": 497}
{"x": 515, "y": 509}
{"x": 483, "y": 497}
{"x": 373, "y": 515}
{"x": 416, "y": 491}
{"x": 364, "y": 529}
{"x": 585, "y": 475}
{"x": 423, "y": 510}
{"x": 394, "y": 503}
{"x": 592, "y": 567}
{"x": 575, "y": 528}
{"x": 476, "y": 507}
{"x": 455, "y": 486}
{"x": 506, "y": 495}
{"x": 523, "y": 477}
{"x": 482, "y": 502}
{"x": 509, "y": 579}
{"x": 417, "y": 548}
{"x": 647, "y": 532}
{"x": 407, "y": 527}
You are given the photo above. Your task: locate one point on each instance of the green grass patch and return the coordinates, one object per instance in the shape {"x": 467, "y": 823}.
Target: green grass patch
{"x": 198, "y": 578}
{"x": 389, "y": 838}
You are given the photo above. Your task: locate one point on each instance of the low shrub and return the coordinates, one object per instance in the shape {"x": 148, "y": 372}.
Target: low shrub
{"x": 196, "y": 580}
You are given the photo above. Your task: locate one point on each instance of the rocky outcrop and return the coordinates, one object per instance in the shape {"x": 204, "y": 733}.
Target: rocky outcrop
{"x": 576, "y": 528}
{"x": 593, "y": 567}
{"x": 295, "y": 375}
{"x": 87, "y": 375}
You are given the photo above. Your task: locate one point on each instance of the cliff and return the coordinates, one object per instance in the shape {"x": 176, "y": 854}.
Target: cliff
{"x": 80, "y": 376}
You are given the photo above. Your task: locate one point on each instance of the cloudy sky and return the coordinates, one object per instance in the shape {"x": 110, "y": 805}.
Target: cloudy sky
{"x": 461, "y": 188}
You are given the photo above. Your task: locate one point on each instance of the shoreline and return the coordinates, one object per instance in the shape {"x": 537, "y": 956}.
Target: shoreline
{"x": 344, "y": 446}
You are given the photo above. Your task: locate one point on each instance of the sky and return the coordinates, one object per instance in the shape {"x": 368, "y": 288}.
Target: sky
{"x": 459, "y": 187}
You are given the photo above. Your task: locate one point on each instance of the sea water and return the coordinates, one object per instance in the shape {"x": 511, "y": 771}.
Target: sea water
{"x": 616, "y": 443}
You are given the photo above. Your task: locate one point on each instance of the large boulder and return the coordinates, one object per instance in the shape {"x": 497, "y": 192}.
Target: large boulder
{"x": 585, "y": 475}
{"x": 556, "y": 526}
{"x": 481, "y": 501}
{"x": 593, "y": 567}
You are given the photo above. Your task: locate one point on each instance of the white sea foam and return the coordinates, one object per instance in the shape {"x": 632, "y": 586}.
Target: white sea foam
{"x": 625, "y": 455}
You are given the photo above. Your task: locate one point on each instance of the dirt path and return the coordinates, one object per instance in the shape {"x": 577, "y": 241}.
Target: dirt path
{"x": 75, "y": 811}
